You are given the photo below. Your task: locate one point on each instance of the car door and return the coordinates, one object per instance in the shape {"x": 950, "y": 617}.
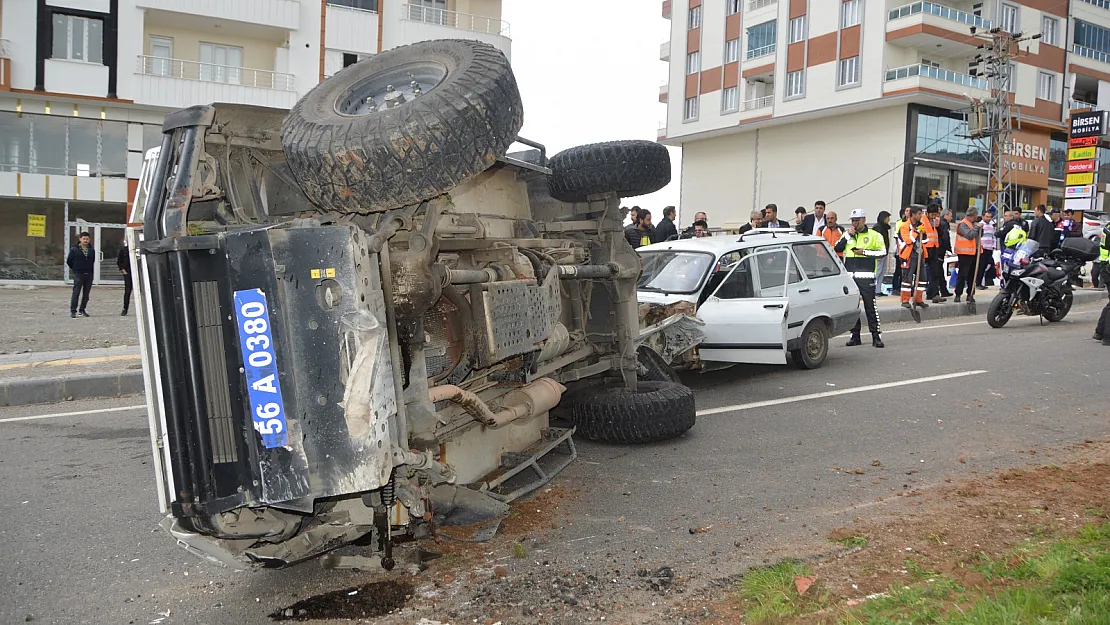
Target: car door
{"x": 745, "y": 323}
{"x": 833, "y": 290}
{"x": 803, "y": 301}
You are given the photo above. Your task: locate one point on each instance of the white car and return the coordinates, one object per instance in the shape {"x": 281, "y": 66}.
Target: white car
{"x": 761, "y": 294}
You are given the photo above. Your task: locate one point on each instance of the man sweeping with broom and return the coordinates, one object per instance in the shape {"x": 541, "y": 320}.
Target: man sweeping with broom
{"x": 968, "y": 234}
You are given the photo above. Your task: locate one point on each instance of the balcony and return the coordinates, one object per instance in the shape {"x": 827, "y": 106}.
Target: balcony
{"x": 5, "y": 65}
{"x": 933, "y": 27}
{"x": 756, "y": 53}
{"x": 662, "y": 132}
{"x": 1102, "y": 4}
{"x": 664, "y": 92}
{"x": 421, "y": 23}
{"x": 280, "y": 14}
{"x": 665, "y": 51}
{"x": 76, "y": 77}
{"x": 177, "y": 83}
{"x": 758, "y": 103}
{"x": 666, "y": 9}
{"x": 759, "y": 4}
{"x": 351, "y": 30}
{"x": 934, "y": 79}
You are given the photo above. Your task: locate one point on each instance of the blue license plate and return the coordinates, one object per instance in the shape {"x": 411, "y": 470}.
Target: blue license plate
{"x": 256, "y": 346}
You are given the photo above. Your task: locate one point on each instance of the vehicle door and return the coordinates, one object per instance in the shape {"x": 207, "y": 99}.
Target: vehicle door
{"x": 831, "y": 287}
{"x": 745, "y": 323}
{"x": 803, "y": 303}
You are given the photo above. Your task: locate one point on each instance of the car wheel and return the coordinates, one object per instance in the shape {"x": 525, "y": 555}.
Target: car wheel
{"x": 627, "y": 168}
{"x": 815, "y": 346}
{"x": 353, "y": 150}
{"x": 655, "y": 411}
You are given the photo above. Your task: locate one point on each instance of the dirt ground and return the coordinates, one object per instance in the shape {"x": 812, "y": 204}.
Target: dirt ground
{"x": 36, "y": 319}
{"x": 950, "y": 529}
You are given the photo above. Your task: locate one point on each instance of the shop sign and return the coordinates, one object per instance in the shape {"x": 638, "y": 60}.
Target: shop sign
{"x": 1081, "y": 167}
{"x": 1081, "y": 154}
{"x": 1079, "y": 179}
{"x": 36, "y": 225}
{"x": 1083, "y": 142}
{"x": 1027, "y": 157}
{"x": 1077, "y": 204}
{"x": 1090, "y": 124}
{"x": 1079, "y": 192}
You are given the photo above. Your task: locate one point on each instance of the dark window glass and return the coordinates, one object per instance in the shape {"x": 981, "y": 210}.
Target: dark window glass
{"x": 365, "y": 5}
{"x": 113, "y": 151}
{"x": 49, "y": 145}
{"x": 349, "y": 59}
{"x": 83, "y": 147}
{"x": 15, "y": 142}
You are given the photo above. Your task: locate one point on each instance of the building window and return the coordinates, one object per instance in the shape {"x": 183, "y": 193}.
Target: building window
{"x": 849, "y": 72}
{"x": 62, "y": 145}
{"x": 732, "y": 50}
{"x": 1046, "y": 86}
{"x": 365, "y": 5}
{"x": 850, "y": 13}
{"x": 694, "y": 18}
{"x": 797, "y": 29}
{"x": 1009, "y": 21}
{"x": 929, "y": 63}
{"x": 78, "y": 39}
{"x": 690, "y": 110}
{"x": 693, "y": 63}
{"x": 1095, "y": 39}
{"x": 349, "y": 59}
{"x": 159, "y": 62}
{"x": 796, "y": 84}
{"x": 730, "y": 100}
{"x": 761, "y": 39}
{"x": 221, "y": 63}
{"x": 1050, "y": 26}
{"x": 732, "y": 7}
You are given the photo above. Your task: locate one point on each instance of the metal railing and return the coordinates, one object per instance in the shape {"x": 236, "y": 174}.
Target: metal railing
{"x": 939, "y": 10}
{"x": 755, "y": 53}
{"x": 759, "y": 103}
{"x": 1090, "y": 53}
{"x": 454, "y": 19}
{"x": 759, "y": 4}
{"x": 1102, "y": 4}
{"x": 928, "y": 71}
{"x": 1076, "y": 105}
{"x": 210, "y": 72}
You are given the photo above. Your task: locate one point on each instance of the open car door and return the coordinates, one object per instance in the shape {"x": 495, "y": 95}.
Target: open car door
{"x": 745, "y": 323}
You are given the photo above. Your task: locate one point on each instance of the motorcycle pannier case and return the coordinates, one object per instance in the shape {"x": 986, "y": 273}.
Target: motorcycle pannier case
{"x": 1080, "y": 249}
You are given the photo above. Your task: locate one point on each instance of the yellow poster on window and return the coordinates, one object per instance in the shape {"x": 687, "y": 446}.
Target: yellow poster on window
{"x": 36, "y": 225}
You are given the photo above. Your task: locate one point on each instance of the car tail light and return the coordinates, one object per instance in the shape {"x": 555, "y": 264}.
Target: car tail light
{"x": 1093, "y": 223}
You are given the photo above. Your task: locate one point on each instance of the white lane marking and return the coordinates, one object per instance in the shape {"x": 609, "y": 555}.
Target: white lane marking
{"x": 843, "y": 391}
{"x": 72, "y": 414}
{"x": 981, "y": 322}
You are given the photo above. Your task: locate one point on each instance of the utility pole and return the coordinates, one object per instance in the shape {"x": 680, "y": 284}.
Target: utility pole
{"x": 992, "y": 119}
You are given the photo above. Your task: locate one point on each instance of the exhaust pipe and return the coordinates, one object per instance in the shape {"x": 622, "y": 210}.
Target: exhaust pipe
{"x": 522, "y": 403}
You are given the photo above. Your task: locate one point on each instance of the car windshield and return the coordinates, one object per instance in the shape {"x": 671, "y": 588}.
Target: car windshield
{"x": 671, "y": 271}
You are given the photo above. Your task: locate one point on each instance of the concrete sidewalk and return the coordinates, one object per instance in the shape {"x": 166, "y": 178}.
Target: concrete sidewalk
{"x": 891, "y": 311}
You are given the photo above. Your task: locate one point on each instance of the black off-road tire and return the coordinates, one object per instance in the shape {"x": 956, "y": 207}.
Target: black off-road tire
{"x": 381, "y": 160}
{"x": 657, "y": 411}
{"x": 627, "y": 168}
{"x": 653, "y": 368}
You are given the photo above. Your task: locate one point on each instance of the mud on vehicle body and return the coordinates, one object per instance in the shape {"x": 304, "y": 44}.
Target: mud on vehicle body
{"x": 355, "y": 325}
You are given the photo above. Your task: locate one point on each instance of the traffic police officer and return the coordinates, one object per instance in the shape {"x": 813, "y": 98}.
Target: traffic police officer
{"x": 1102, "y": 331}
{"x": 862, "y": 248}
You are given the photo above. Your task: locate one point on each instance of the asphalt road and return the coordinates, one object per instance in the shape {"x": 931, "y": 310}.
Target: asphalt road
{"x": 758, "y": 470}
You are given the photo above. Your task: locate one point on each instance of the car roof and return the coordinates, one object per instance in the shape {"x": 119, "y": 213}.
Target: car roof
{"x": 720, "y": 244}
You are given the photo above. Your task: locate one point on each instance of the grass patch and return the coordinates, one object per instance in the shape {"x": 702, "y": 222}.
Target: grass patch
{"x": 853, "y": 542}
{"x": 769, "y": 593}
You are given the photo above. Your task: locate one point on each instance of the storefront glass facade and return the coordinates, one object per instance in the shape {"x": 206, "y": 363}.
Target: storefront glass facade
{"x": 56, "y": 144}
{"x": 32, "y": 254}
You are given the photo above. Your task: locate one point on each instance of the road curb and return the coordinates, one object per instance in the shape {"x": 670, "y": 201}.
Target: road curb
{"x": 26, "y": 391}
{"x": 950, "y": 310}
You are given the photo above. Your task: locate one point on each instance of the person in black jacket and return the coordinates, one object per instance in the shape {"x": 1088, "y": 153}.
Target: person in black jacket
{"x": 944, "y": 232}
{"x": 882, "y": 226}
{"x": 1043, "y": 228}
{"x": 81, "y": 260}
{"x": 771, "y": 218}
{"x": 123, "y": 262}
{"x": 814, "y": 221}
{"x": 666, "y": 228}
{"x": 640, "y": 232}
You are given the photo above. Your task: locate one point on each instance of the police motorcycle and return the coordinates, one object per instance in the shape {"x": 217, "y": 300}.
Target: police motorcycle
{"x": 1037, "y": 284}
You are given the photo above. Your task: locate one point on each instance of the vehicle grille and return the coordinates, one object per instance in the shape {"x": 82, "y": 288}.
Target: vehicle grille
{"x": 210, "y": 332}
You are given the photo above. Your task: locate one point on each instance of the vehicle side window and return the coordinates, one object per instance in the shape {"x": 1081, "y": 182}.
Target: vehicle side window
{"x": 740, "y": 283}
{"x": 817, "y": 261}
{"x": 773, "y": 266}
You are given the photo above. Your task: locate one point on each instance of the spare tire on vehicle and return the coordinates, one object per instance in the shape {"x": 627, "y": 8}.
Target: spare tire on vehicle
{"x": 656, "y": 411}
{"x": 627, "y": 168}
{"x": 403, "y": 126}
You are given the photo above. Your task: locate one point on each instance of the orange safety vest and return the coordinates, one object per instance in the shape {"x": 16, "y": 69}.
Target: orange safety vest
{"x": 932, "y": 239}
{"x": 909, "y": 235}
{"x": 832, "y": 236}
{"x": 966, "y": 247}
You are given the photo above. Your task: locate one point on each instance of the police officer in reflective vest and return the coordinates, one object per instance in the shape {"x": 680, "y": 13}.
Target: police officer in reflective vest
{"x": 862, "y": 249}
{"x": 1102, "y": 331}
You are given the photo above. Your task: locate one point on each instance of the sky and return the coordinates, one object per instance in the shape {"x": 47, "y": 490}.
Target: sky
{"x": 590, "y": 72}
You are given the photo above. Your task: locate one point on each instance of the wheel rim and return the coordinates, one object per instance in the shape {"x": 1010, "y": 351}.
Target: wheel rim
{"x": 814, "y": 345}
{"x": 390, "y": 88}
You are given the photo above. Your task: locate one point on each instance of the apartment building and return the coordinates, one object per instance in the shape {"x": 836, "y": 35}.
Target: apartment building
{"x": 85, "y": 84}
{"x": 791, "y": 101}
